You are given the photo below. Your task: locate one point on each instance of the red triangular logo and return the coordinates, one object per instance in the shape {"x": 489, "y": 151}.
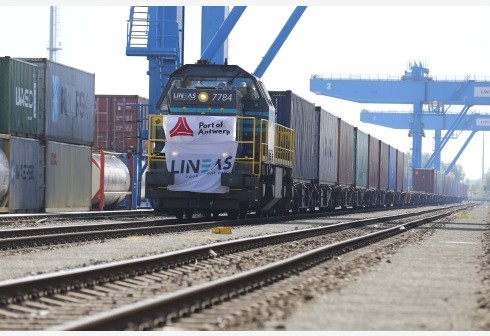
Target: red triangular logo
{"x": 181, "y": 128}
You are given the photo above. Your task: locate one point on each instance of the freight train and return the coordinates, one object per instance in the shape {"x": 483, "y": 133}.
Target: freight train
{"x": 221, "y": 143}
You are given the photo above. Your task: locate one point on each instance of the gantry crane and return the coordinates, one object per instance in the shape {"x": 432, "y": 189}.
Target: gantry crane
{"x": 429, "y": 97}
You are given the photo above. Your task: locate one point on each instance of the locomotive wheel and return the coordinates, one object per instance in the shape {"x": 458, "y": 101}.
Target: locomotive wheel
{"x": 188, "y": 214}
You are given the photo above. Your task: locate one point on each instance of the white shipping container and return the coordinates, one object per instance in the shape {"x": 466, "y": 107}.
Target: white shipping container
{"x": 22, "y": 187}
{"x": 68, "y": 177}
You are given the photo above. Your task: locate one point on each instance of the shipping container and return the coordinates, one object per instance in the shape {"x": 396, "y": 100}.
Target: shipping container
{"x": 361, "y": 158}
{"x": 18, "y": 97}
{"x": 392, "y": 168}
{"x": 299, "y": 114}
{"x": 400, "y": 170}
{"x": 68, "y": 177}
{"x": 328, "y": 152}
{"x": 384, "y": 153}
{"x": 24, "y": 192}
{"x": 66, "y": 109}
{"x": 373, "y": 169}
{"x": 345, "y": 168}
{"x": 424, "y": 180}
{"x": 439, "y": 182}
{"x": 119, "y": 119}
{"x": 407, "y": 173}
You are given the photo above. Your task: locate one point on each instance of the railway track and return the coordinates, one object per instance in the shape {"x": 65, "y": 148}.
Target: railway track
{"x": 55, "y": 235}
{"x": 182, "y": 282}
{"x": 6, "y": 219}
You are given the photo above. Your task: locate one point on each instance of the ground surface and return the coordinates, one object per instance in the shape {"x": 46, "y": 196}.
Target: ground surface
{"x": 442, "y": 282}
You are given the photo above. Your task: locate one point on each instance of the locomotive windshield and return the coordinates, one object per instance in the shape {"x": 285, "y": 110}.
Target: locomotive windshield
{"x": 210, "y": 76}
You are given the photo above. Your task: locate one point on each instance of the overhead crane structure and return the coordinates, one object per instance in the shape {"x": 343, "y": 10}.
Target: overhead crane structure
{"x": 157, "y": 33}
{"x": 429, "y": 97}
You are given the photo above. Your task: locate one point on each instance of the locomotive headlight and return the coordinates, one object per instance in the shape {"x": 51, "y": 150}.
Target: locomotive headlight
{"x": 203, "y": 97}
{"x": 225, "y": 154}
{"x": 175, "y": 153}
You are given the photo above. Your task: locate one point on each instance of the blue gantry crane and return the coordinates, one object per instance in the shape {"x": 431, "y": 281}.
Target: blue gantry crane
{"x": 429, "y": 97}
{"x": 157, "y": 33}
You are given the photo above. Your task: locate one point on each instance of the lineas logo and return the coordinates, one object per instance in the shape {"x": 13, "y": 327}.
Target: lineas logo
{"x": 181, "y": 128}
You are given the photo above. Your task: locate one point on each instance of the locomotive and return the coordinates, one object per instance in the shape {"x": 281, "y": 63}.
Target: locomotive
{"x": 221, "y": 143}
{"x": 214, "y": 145}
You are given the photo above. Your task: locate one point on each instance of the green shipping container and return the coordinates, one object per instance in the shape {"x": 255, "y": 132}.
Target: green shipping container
{"x": 18, "y": 97}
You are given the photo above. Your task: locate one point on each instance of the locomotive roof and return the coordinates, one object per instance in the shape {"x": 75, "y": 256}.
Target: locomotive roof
{"x": 212, "y": 70}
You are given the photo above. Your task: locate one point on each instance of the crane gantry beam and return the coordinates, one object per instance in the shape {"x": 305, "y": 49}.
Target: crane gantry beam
{"x": 415, "y": 87}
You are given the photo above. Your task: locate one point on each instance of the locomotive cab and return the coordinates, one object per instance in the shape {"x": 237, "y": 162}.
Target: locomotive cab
{"x": 212, "y": 144}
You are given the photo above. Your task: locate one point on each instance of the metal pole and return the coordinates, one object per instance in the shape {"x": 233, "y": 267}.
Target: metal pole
{"x": 483, "y": 167}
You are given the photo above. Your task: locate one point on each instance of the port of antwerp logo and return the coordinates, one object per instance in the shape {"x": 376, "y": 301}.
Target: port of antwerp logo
{"x": 181, "y": 128}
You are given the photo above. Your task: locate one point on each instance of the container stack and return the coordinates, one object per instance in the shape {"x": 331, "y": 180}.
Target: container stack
{"x": 46, "y": 135}
{"x": 119, "y": 122}
{"x": 66, "y": 128}
{"x": 21, "y": 157}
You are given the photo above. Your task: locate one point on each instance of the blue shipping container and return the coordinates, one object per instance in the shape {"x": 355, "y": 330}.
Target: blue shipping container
{"x": 299, "y": 114}
{"x": 392, "y": 169}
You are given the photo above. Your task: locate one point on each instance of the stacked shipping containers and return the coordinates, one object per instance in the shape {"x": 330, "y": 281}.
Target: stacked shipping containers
{"x": 116, "y": 122}
{"x": 66, "y": 125}
{"x": 46, "y": 122}
{"x": 22, "y": 187}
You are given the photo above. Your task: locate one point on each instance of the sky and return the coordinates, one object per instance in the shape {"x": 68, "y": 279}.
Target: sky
{"x": 379, "y": 40}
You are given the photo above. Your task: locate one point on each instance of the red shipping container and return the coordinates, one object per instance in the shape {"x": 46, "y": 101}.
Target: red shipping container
{"x": 116, "y": 122}
{"x": 424, "y": 180}
{"x": 345, "y": 168}
{"x": 384, "y": 157}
